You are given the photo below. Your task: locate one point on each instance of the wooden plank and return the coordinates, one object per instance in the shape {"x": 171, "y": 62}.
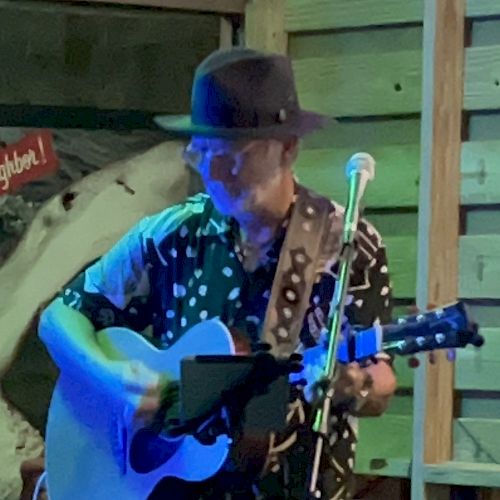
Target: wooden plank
{"x": 401, "y": 310}
{"x": 482, "y": 84}
{"x": 480, "y": 266}
{"x": 306, "y": 15}
{"x": 394, "y": 223}
{"x": 382, "y": 439}
{"x": 218, "y": 6}
{"x": 478, "y": 405}
{"x": 323, "y": 170}
{"x": 400, "y": 404}
{"x": 386, "y": 467}
{"x": 91, "y": 58}
{"x": 226, "y": 33}
{"x": 364, "y": 134}
{"x": 485, "y": 32}
{"x": 361, "y": 85}
{"x": 486, "y": 314}
{"x": 354, "y": 42}
{"x": 482, "y": 221}
{"x": 396, "y": 179}
{"x": 265, "y": 25}
{"x": 463, "y": 473}
{"x": 397, "y": 174}
{"x": 483, "y": 8}
{"x": 480, "y": 369}
{"x": 402, "y": 257}
{"x": 480, "y": 172}
{"x": 437, "y": 265}
{"x": 477, "y": 440}
{"x": 404, "y": 373}
{"x": 484, "y": 126}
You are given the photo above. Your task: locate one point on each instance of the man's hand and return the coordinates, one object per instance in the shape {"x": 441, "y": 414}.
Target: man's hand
{"x": 351, "y": 384}
{"x": 139, "y": 386}
{"x": 383, "y": 387}
{"x": 364, "y": 391}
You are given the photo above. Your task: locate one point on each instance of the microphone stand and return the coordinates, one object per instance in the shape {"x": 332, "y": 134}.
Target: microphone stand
{"x": 359, "y": 170}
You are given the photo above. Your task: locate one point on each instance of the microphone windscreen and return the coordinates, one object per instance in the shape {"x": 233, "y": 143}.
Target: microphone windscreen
{"x": 360, "y": 162}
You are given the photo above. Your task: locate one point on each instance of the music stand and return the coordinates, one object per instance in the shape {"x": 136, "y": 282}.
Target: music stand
{"x": 206, "y": 381}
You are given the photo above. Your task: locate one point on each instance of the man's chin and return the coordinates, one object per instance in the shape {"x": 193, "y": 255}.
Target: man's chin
{"x": 229, "y": 207}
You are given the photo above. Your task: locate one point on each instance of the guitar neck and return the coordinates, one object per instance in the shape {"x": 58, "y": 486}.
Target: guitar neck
{"x": 447, "y": 327}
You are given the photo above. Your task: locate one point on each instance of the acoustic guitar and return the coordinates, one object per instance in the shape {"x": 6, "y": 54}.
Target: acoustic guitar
{"x": 96, "y": 450}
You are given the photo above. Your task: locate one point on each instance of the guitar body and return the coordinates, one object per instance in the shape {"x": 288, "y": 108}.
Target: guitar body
{"x": 89, "y": 433}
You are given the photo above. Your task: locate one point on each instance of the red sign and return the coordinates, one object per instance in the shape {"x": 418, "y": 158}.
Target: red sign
{"x": 27, "y": 160}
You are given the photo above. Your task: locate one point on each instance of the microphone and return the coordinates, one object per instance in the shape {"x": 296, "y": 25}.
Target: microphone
{"x": 359, "y": 170}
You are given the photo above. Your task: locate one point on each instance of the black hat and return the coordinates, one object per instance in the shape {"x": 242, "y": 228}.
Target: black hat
{"x": 242, "y": 93}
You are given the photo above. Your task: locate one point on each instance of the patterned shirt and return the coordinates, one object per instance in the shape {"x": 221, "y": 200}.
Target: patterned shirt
{"x": 183, "y": 265}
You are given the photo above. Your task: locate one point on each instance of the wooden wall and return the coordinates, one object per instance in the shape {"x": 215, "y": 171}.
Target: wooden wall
{"x": 362, "y": 62}
{"x": 105, "y": 57}
{"x": 353, "y": 74}
{"x": 477, "y": 426}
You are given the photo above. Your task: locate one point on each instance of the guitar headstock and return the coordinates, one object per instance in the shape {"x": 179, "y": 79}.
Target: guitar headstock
{"x": 447, "y": 327}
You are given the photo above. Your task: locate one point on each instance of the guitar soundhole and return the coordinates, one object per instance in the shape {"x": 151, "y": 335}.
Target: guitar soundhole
{"x": 149, "y": 451}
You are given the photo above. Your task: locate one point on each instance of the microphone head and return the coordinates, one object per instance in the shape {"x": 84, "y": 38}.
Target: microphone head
{"x": 361, "y": 163}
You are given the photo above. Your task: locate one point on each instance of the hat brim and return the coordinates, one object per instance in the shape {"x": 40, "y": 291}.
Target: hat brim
{"x": 305, "y": 123}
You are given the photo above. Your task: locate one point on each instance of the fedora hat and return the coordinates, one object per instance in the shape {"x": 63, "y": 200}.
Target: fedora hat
{"x": 242, "y": 93}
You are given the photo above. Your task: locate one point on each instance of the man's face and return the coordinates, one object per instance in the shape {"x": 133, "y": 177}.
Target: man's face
{"x": 239, "y": 176}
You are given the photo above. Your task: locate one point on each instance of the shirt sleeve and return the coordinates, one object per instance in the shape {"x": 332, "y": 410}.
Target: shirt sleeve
{"x": 370, "y": 287}
{"x": 115, "y": 289}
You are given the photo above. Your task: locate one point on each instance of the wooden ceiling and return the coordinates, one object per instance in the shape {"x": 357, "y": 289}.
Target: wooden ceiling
{"x": 216, "y": 6}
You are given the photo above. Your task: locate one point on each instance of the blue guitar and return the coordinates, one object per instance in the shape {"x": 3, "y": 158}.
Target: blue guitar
{"x": 92, "y": 438}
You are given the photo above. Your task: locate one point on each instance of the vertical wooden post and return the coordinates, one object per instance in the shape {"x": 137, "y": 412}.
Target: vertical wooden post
{"x": 437, "y": 279}
{"x": 265, "y": 26}
{"x": 226, "y": 33}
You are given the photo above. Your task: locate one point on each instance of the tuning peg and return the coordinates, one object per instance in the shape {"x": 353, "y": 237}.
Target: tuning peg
{"x": 432, "y": 358}
{"x": 477, "y": 340}
{"x": 413, "y": 362}
{"x": 451, "y": 355}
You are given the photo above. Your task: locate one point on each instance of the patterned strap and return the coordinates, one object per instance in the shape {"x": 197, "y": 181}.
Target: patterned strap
{"x": 295, "y": 272}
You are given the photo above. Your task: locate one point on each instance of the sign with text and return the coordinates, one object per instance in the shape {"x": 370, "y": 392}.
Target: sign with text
{"x": 27, "y": 160}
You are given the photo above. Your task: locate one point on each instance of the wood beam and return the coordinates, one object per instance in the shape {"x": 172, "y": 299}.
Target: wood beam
{"x": 215, "y": 6}
{"x": 312, "y": 15}
{"x": 265, "y": 26}
{"x": 226, "y": 33}
{"x": 437, "y": 267}
{"x": 464, "y": 473}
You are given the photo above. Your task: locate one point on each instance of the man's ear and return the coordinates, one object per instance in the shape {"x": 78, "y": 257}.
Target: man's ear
{"x": 290, "y": 151}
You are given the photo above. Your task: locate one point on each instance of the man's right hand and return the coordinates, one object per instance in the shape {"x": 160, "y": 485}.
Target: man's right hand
{"x": 138, "y": 386}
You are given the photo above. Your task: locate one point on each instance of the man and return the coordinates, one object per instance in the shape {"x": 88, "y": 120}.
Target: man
{"x": 216, "y": 255}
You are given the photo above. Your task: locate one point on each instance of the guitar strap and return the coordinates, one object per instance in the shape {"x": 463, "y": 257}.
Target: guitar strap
{"x": 309, "y": 225}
